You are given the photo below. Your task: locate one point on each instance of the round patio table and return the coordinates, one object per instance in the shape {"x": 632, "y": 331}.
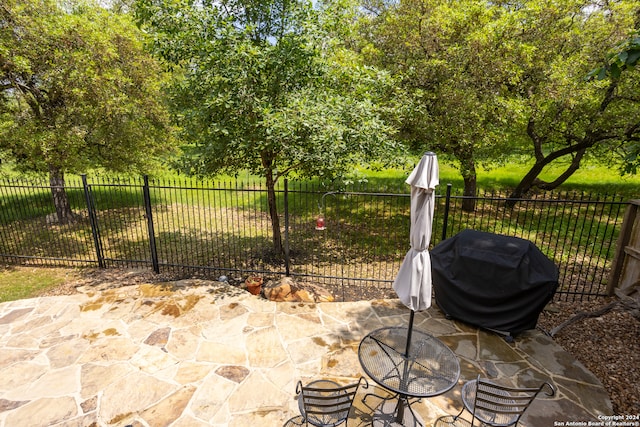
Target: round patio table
{"x": 430, "y": 369}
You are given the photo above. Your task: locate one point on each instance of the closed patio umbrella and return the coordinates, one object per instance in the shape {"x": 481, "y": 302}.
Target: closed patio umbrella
{"x": 413, "y": 282}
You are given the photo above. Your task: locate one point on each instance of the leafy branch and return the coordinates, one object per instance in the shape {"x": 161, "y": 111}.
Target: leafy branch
{"x": 624, "y": 56}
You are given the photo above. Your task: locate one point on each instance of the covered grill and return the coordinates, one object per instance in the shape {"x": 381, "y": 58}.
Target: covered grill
{"x": 496, "y": 282}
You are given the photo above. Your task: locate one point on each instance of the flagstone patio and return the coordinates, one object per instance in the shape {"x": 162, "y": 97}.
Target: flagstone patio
{"x": 195, "y": 353}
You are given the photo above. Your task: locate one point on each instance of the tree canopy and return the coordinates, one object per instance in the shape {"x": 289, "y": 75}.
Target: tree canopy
{"x": 77, "y": 91}
{"x": 566, "y": 118}
{"x": 308, "y": 89}
{"x": 267, "y": 86}
{"x": 624, "y": 57}
{"x": 444, "y": 55}
{"x": 490, "y": 78}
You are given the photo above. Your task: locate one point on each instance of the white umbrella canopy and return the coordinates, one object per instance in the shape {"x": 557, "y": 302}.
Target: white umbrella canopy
{"x": 413, "y": 282}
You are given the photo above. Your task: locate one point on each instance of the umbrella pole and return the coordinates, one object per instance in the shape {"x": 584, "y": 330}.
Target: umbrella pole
{"x": 409, "y": 331}
{"x": 402, "y": 399}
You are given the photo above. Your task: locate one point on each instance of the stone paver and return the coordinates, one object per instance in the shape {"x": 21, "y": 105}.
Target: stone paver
{"x": 194, "y": 353}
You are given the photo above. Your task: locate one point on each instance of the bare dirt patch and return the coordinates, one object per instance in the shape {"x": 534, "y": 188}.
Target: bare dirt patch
{"x": 608, "y": 345}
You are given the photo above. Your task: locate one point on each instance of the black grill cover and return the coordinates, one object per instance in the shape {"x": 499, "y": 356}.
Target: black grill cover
{"x": 492, "y": 281}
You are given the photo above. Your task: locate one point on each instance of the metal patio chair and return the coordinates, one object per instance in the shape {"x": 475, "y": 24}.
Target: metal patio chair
{"x": 493, "y": 405}
{"x": 324, "y": 403}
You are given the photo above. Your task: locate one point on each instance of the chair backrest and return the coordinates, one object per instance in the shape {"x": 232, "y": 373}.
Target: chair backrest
{"x": 325, "y": 403}
{"x": 498, "y": 405}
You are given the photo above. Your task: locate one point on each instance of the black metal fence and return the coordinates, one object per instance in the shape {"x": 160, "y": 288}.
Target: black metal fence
{"x": 197, "y": 228}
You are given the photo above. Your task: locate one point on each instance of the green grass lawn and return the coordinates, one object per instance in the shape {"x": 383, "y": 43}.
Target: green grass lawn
{"x": 589, "y": 178}
{"x": 28, "y": 282}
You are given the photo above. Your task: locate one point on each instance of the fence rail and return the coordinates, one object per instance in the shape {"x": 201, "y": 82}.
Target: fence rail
{"x": 210, "y": 228}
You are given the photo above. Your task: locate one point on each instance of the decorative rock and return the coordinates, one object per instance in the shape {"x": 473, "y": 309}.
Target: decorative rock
{"x": 287, "y": 290}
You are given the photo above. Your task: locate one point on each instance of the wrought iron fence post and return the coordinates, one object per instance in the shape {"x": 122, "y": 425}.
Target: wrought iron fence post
{"x": 93, "y": 220}
{"x": 152, "y": 233}
{"x": 445, "y": 221}
{"x": 287, "y": 259}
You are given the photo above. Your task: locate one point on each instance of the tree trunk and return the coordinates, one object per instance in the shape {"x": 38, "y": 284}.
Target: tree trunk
{"x": 574, "y": 166}
{"x": 525, "y": 183}
{"x": 531, "y": 179}
{"x": 468, "y": 171}
{"x": 60, "y": 198}
{"x": 576, "y": 146}
{"x": 273, "y": 213}
{"x": 273, "y": 207}
{"x": 470, "y": 187}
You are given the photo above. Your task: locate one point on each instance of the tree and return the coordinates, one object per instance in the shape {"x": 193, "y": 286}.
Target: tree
{"x": 266, "y": 88}
{"x": 445, "y": 55}
{"x": 77, "y": 91}
{"x": 489, "y": 79}
{"x": 565, "y": 118}
{"x": 623, "y": 57}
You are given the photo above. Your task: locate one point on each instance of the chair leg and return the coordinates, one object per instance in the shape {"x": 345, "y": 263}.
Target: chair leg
{"x": 452, "y": 421}
{"x": 382, "y": 398}
{"x": 295, "y": 422}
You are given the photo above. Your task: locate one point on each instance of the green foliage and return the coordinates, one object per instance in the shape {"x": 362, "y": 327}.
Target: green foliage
{"x": 77, "y": 89}
{"x": 444, "y": 54}
{"x": 261, "y": 90}
{"x": 486, "y": 80}
{"x": 566, "y": 118}
{"x": 267, "y": 87}
{"x": 625, "y": 55}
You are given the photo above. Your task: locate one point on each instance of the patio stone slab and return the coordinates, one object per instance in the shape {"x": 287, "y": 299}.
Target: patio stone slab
{"x": 46, "y": 411}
